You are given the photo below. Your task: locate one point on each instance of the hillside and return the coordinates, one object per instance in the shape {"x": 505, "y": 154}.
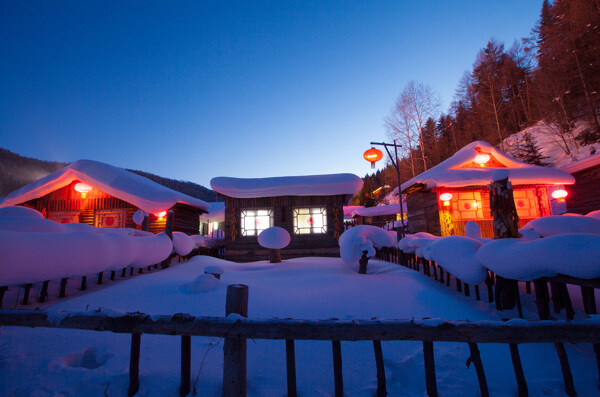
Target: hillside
{"x": 17, "y": 171}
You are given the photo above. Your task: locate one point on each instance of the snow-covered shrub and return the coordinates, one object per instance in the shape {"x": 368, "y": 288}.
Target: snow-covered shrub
{"x": 457, "y": 255}
{"x": 182, "y": 243}
{"x": 20, "y": 211}
{"x": 354, "y": 241}
{"x": 274, "y": 238}
{"x": 561, "y": 224}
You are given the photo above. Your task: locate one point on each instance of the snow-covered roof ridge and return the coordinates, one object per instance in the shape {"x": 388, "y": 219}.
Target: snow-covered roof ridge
{"x": 118, "y": 182}
{"x": 380, "y": 210}
{"x": 456, "y": 172}
{"x": 583, "y": 164}
{"x": 306, "y": 185}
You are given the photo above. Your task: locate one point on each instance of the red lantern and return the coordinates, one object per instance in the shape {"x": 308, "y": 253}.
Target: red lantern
{"x": 373, "y": 155}
{"x": 83, "y": 188}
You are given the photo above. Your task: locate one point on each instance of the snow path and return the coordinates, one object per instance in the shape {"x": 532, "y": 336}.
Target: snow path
{"x": 50, "y": 362}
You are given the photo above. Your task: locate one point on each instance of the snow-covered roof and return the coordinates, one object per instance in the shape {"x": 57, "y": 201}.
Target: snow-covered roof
{"x": 380, "y": 210}
{"x": 458, "y": 170}
{"x": 118, "y": 182}
{"x": 583, "y": 164}
{"x": 308, "y": 185}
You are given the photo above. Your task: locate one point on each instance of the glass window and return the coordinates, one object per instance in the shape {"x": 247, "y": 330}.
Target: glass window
{"x": 310, "y": 220}
{"x": 255, "y": 221}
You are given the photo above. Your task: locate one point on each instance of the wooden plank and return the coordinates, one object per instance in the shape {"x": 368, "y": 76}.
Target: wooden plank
{"x": 336, "y": 348}
{"x": 186, "y": 365}
{"x": 381, "y": 388}
{"x": 519, "y": 374}
{"x": 566, "y": 369}
{"x": 430, "y": 381}
{"x": 542, "y": 299}
{"x": 134, "y": 364}
{"x": 476, "y": 359}
{"x": 290, "y": 359}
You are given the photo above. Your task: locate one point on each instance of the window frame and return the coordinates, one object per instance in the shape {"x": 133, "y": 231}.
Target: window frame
{"x": 256, "y": 232}
{"x": 313, "y": 230}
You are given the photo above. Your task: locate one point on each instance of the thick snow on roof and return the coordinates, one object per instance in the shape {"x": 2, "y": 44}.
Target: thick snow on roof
{"x": 455, "y": 172}
{"x": 118, "y": 182}
{"x": 309, "y": 185}
{"x": 583, "y": 164}
{"x": 389, "y": 209}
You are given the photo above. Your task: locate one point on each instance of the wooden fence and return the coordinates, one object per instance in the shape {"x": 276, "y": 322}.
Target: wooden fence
{"x": 236, "y": 329}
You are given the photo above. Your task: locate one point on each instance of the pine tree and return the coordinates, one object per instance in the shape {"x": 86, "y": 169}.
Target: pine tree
{"x": 530, "y": 151}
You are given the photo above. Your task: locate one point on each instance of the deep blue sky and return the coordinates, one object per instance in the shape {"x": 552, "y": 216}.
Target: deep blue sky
{"x": 198, "y": 89}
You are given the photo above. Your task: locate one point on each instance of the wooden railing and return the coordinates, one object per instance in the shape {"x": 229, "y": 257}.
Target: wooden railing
{"x": 235, "y": 328}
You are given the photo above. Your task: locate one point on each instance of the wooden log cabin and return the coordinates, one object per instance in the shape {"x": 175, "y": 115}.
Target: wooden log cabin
{"x": 310, "y": 208}
{"x": 444, "y": 198}
{"x": 584, "y": 195}
{"x": 102, "y": 195}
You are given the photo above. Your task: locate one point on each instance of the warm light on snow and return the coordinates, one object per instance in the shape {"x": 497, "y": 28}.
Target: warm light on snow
{"x": 482, "y": 158}
{"x": 559, "y": 194}
{"x": 161, "y": 214}
{"x": 446, "y": 197}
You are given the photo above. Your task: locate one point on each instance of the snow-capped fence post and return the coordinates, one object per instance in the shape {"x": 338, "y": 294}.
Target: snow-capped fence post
{"x": 234, "y": 348}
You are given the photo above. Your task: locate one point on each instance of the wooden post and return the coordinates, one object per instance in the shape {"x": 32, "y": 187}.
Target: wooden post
{"x": 234, "y": 349}
{"x": 63, "y": 288}
{"x": 145, "y": 222}
{"x": 477, "y": 296}
{"x": 542, "y": 299}
{"x": 430, "y": 381}
{"x": 488, "y": 283}
{"x": 381, "y": 389}
{"x": 467, "y": 290}
{"x": 169, "y": 224}
{"x": 131, "y": 271}
{"x": 112, "y": 275}
{"x": 362, "y": 263}
{"x": 476, "y": 359}
{"x": 274, "y": 255}
{"x": 447, "y": 279}
{"x": 519, "y": 374}
{"x": 290, "y": 359}
{"x": 589, "y": 300}
{"x": 458, "y": 285}
{"x": 2, "y": 291}
{"x": 186, "y": 364}
{"x": 26, "y": 293}
{"x": 441, "y": 275}
{"x": 336, "y": 348}
{"x": 100, "y": 275}
{"x": 83, "y": 283}
{"x": 435, "y": 273}
{"x": 528, "y": 287}
{"x": 134, "y": 364}
{"x": 124, "y": 272}
{"x": 44, "y": 292}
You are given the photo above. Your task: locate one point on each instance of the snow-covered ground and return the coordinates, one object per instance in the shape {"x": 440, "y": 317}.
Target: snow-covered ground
{"x": 55, "y": 362}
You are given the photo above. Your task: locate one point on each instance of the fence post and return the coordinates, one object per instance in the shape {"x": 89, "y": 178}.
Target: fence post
{"x": 234, "y": 349}
{"x": 186, "y": 361}
{"x": 290, "y": 358}
{"x": 134, "y": 364}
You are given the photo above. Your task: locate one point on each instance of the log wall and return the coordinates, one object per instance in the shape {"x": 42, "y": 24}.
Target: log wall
{"x": 246, "y": 248}
{"x": 584, "y": 195}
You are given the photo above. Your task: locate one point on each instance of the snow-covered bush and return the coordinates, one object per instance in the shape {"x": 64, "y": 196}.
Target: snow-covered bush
{"x": 561, "y": 224}
{"x": 182, "y": 243}
{"x": 20, "y": 211}
{"x": 457, "y": 255}
{"x": 274, "y": 238}
{"x": 354, "y": 241}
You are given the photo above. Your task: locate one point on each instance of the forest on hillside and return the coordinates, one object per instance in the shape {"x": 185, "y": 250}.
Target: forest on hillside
{"x": 552, "y": 76}
{"x": 17, "y": 171}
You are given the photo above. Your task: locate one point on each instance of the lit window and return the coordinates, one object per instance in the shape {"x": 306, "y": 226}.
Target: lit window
{"x": 310, "y": 220}
{"x": 255, "y": 221}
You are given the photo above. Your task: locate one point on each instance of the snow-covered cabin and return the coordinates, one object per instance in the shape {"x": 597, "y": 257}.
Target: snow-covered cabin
{"x": 102, "y": 195}
{"x": 444, "y": 198}
{"x": 584, "y": 195}
{"x": 310, "y": 208}
{"x": 213, "y": 223}
{"x": 380, "y": 216}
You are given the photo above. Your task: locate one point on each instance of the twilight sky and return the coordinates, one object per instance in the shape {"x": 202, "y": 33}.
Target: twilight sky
{"x": 192, "y": 90}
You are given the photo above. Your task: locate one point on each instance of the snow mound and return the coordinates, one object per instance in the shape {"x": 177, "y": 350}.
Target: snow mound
{"x": 576, "y": 255}
{"x": 274, "y": 238}
{"x": 594, "y": 214}
{"x": 182, "y": 243}
{"x": 457, "y": 254}
{"x": 354, "y": 241}
{"x": 411, "y": 242}
{"x": 88, "y": 359}
{"x": 472, "y": 230}
{"x": 214, "y": 269}
{"x": 561, "y": 224}
{"x": 202, "y": 283}
{"x": 20, "y": 211}
{"x": 138, "y": 217}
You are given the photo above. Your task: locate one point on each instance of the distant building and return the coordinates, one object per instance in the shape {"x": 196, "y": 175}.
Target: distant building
{"x": 102, "y": 195}
{"x": 310, "y": 208}
{"x": 584, "y": 195}
{"x": 444, "y": 198}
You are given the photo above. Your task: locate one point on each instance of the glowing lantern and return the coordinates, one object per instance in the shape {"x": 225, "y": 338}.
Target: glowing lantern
{"x": 559, "y": 195}
{"x": 83, "y": 188}
{"x": 373, "y": 155}
{"x": 161, "y": 214}
{"x": 446, "y": 197}
{"x": 482, "y": 158}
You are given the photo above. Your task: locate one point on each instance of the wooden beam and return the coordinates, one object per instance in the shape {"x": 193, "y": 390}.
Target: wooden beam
{"x": 430, "y": 381}
{"x": 338, "y": 377}
{"x": 134, "y": 364}
{"x": 186, "y": 365}
{"x": 476, "y": 359}
{"x": 518, "y": 367}
{"x": 290, "y": 359}
{"x": 234, "y": 347}
{"x": 381, "y": 389}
